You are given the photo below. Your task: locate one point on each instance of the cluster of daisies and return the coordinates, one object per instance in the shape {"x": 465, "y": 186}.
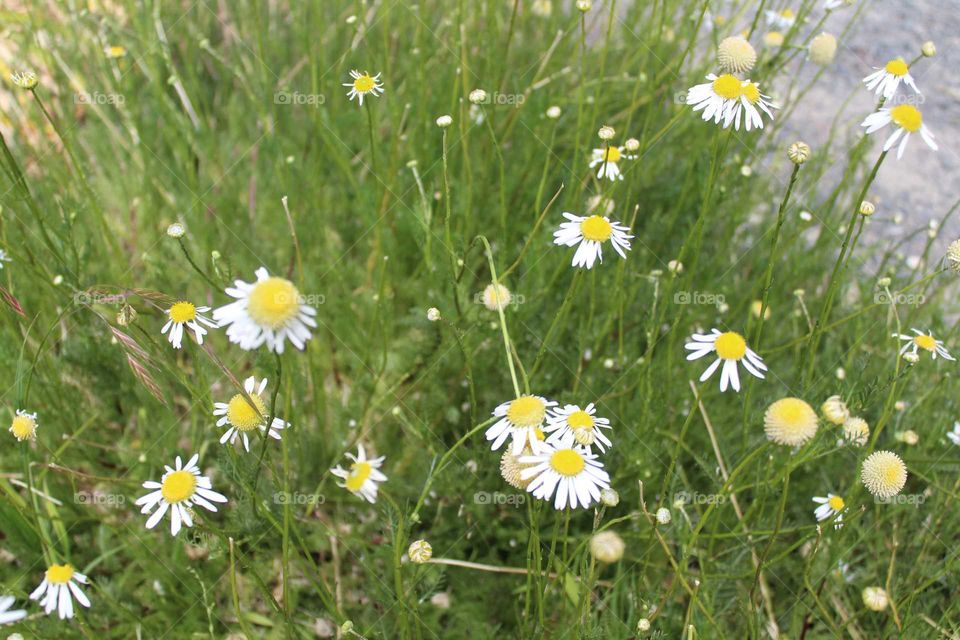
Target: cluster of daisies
{"x": 905, "y": 117}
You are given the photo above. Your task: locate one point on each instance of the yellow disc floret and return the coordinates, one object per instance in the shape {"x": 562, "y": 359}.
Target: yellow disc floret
{"x": 183, "y": 312}
{"x": 567, "y": 462}
{"x": 526, "y": 411}
{"x": 925, "y": 342}
{"x": 24, "y": 427}
{"x": 244, "y": 416}
{"x": 178, "y": 486}
{"x": 596, "y": 228}
{"x": 836, "y": 503}
{"x": 897, "y": 67}
{"x": 728, "y": 86}
{"x": 730, "y": 346}
{"x": 364, "y": 83}
{"x": 273, "y": 302}
{"x": 612, "y": 154}
{"x": 907, "y": 117}
{"x": 751, "y": 92}
{"x": 59, "y": 573}
{"x": 790, "y": 421}
{"x": 359, "y": 472}
{"x": 580, "y": 420}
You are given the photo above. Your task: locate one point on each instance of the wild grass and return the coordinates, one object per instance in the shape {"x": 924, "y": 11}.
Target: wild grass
{"x": 230, "y": 118}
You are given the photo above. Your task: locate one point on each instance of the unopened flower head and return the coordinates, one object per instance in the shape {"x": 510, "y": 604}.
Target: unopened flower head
{"x": 609, "y": 497}
{"x": 875, "y": 598}
{"x": 643, "y": 625}
{"x": 856, "y": 431}
{"x": 420, "y": 551}
{"x": 606, "y": 133}
{"x": 953, "y": 256}
{"x": 553, "y": 112}
{"x": 909, "y": 437}
{"x": 736, "y": 55}
{"x": 511, "y": 468}
{"x": 823, "y": 49}
{"x": 663, "y": 516}
{"x": 25, "y": 79}
{"x": 607, "y": 547}
{"x": 835, "y": 410}
{"x": 496, "y": 296}
{"x": 444, "y": 121}
{"x": 584, "y": 5}
{"x": 790, "y": 421}
{"x": 176, "y": 230}
{"x": 478, "y": 96}
{"x": 883, "y": 474}
{"x": 773, "y": 38}
{"x": 433, "y": 314}
{"x": 867, "y": 208}
{"x": 928, "y": 49}
{"x": 798, "y": 152}
{"x": 631, "y": 144}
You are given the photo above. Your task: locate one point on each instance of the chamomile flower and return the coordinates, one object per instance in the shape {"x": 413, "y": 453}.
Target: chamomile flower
{"x": 716, "y": 97}
{"x": 782, "y": 20}
{"x": 6, "y": 615}
{"x": 856, "y": 431}
{"x": 875, "y": 598}
{"x": 269, "y": 311}
{"x": 363, "y": 476}
{"x": 186, "y": 314}
{"x": 831, "y": 505}
{"x": 749, "y": 105}
{"x": 609, "y": 162}
{"x": 790, "y": 421}
{"x": 24, "y": 425}
{"x": 954, "y": 436}
{"x": 522, "y": 420}
{"x": 59, "y": 587}
{"x": 924, "y": 341}
{"x": 590, "y": 232}
{"x": 907, "y": 120}
{"x": 363, "y": 84}
{"x": 179, "y": 489}
{"x": 243, "y": 417}
{"x": 883, "y": 474}
{"x": 730, "y": 349}
{"x": 572, "y": 475}
{"x": 583, "y": 425}
{"x": 835, "y": 410}
{"x": 886, "y": 80}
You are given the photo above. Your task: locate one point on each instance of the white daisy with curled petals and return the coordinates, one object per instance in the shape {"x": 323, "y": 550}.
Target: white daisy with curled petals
{"x": 363, "y": 477}
{"x": 179, "y": 489}
{"x": 830, "y": 505}
{"x": 907, "y": 120}
{"x": 521, "y": 419}
{"x": 588, "y": 233}
{"x": 363, "y": 84}
{"x": 730, "y": 349}
{"x": 886, "y": 80}
{"x": 609, "y": 162}
{"x": 569, "y": 474}
{"x": 717, "y": 97}
{"x": 61, "y": 584}
{"x": 270, "y": 311}
{"x": 924, "y": 341}
{"x": 583, "y": 425}
{"x": 8, "y": 616}
{"x": 186, "y": 314}
{"x": 243, "y": 415}
{"x": 749, "y": 106}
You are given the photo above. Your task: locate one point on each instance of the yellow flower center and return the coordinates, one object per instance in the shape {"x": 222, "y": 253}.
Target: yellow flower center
{"x": 359, "y": 472}
{"x": 596, "y": 228}
{"x": 539, "y": 434}
{"x": 567, "y": 462}
{"x": 730, "y": 346}
{"x": 178, "y": 486}
{"x": 243, "y": 416}
{"x": 897, "y": 67}
{"x": 925, "y": 342}
{"x": 580, "y": 420}
{"x": 728, "y": 86}
{"x": 836, "y": 503}
{"x": 612, "y": 154}
{"x": 273, "y": 302}
{"x": 526, "y": 411}
{"x": 59, "y": 573}
{"x": 364, "y": 83}
{"x": 907, "y": 117}
{"x": 792, "y": 411}
{"x": 183, "y": 312}
{"x": 751, "y": 92}
{"x": 787, "y": 13}
{"x": 23, "y": 427}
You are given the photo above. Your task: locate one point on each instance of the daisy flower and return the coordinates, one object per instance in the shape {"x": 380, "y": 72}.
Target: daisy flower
{"x": 575, "y": 475}
{"x": 179, "y": 490}
{"x": 831, "y": 505}
{"x": 362, "y": 84}
{"x": 717, "y": 97}
{"x": 582, "y": 425}
{"x": 749, "y": 105}
{"x": 835, "y": 410}
{"x": 886, "y": 80}
{"x": 269, "y": 311}
{"x": 954, "y": 435}
{"x": 243, "y": 417}
{"x": 185, "y": 314}
{"x": 609, "y": 162}
{"x": 883, "y": 474}
{"x": 907, "y": 119}
{"x": 790, "y": 421}
{"x": 856, "y": 431}
{"x": 59, "y": 582}
{"x": 522, "y": 420}
{"x": 782, "y": 20}
{"x": 590, "y": 232}
{"x": 924, "y": 341}
{"x": 363, "y": 476}
{"x": 24, "y": 425}
{"x": 730, "y": 348}
{"x": 6, "y": 615}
